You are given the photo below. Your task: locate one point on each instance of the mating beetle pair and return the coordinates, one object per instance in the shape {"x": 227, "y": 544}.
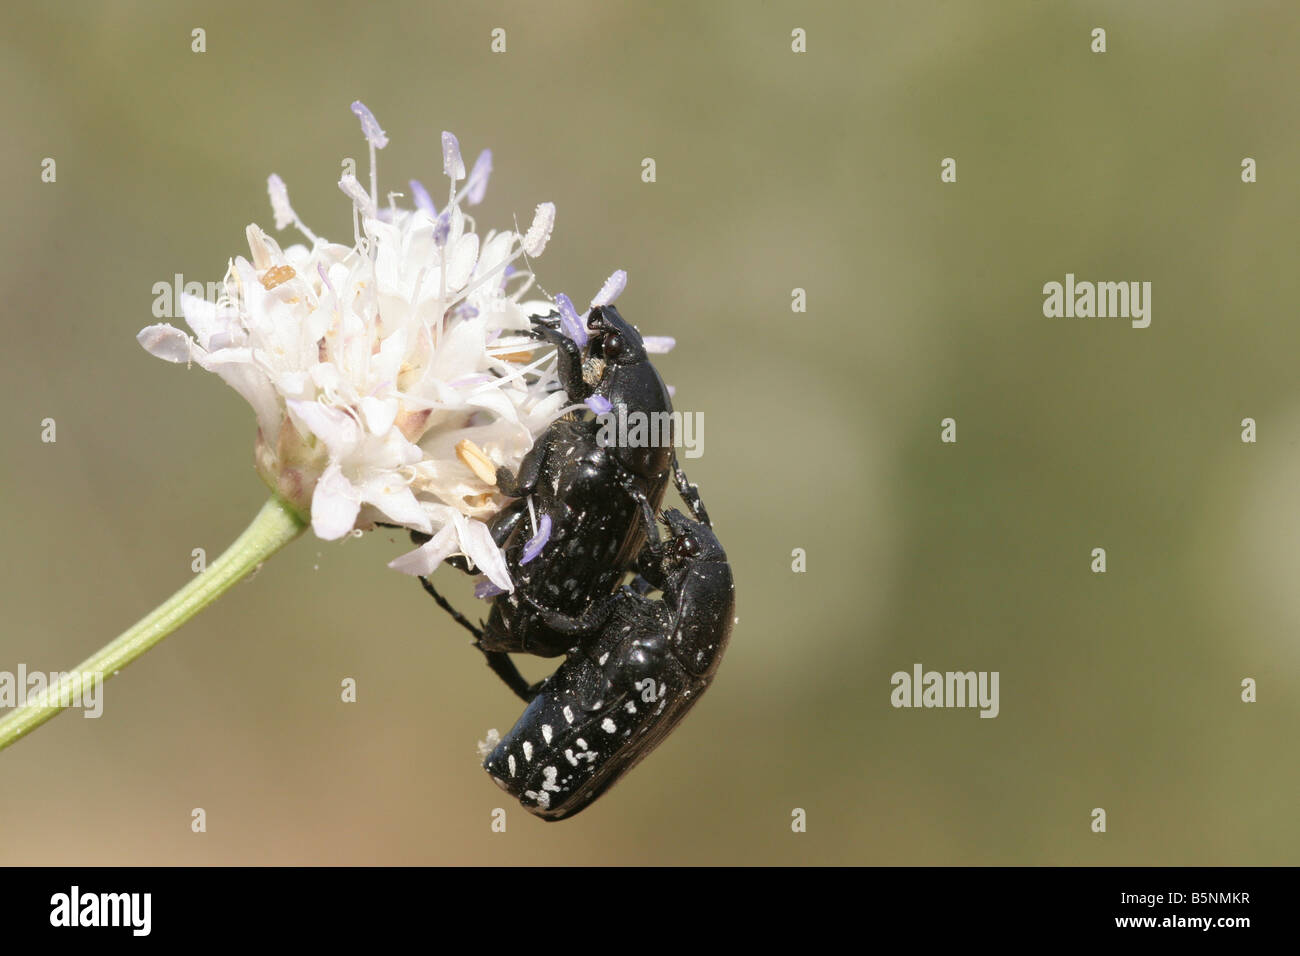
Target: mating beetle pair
{"x": 634, "y": 664}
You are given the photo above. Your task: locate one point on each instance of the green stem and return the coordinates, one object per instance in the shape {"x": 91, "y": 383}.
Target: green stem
{"x": 275, "y": 526}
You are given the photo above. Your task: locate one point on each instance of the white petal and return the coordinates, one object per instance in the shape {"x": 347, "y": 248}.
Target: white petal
{"x": 327, "y": 377}
{"x": 495, "y": 401}
{"x": 337, "y": 429}
{"x": 379, "y": 414}
{"x": 166, "y": 342}
{"x": 425, "y": 559}
{"x": 393, "y": 497}
{"x": 462, "y": 262}
{"x": 387, "y": 363}
{"x": 209, "y": 321}
{"x": 476, "y": 541}
{"x": 334, "y": 505}
{"x": 495, "y": 251}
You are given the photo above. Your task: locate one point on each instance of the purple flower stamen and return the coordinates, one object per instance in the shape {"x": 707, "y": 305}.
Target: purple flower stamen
{"x": 486, "y": 589}
{"x": 573, "y": 326}
{"x": 538, "y": 541}
{"x": 375, "y": 136}
{"x": 441, "y": 229}
{"x": 478, "y": 178}
{"x": 611, "y": 290}
{"x": 422, "y": 198}
{"x": 452, "y": 164}
{"x": 599, "y": 404}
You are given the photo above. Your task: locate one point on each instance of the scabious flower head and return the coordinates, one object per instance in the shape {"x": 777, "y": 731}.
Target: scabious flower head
{"x": 389, "y": 377}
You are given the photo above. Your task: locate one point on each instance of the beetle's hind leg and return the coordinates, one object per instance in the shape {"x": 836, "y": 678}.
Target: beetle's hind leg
{"x": 498, "y": 661}
{"x": 505, "y": 668}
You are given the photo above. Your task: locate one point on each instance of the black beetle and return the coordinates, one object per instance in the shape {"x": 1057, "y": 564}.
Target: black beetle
{"x": 638, "y": 665}
{"x": 598, "y": 499}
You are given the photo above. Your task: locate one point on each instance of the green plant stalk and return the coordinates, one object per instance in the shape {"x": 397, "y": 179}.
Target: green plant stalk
{"x": 275, "y": 526}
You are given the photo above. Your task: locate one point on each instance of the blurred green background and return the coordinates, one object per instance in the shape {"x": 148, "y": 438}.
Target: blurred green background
{"x": 775, "y": 171}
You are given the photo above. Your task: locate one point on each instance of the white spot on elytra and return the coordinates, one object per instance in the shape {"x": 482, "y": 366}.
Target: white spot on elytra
{"x": 549, "y": 783}
{"x": 568, "y": 755}
{"x": 510, "y": 762}
{"x": 528, "y": 750}
{"x": 608, "y": 726}
{"x": 546, "y": 732}
{"x": 568, "y": 714}
{"x": 631, "y": 707}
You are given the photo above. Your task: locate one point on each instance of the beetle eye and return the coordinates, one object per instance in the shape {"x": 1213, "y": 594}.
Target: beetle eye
{"x": 612, "y": 346}
{"x": 687, "y": 548}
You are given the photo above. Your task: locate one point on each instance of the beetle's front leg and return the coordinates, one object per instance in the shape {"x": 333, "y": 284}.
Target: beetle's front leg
{"x": 649, "y": 569}
{"x": 568, "y": 357}
{"x": 521, "y": 483}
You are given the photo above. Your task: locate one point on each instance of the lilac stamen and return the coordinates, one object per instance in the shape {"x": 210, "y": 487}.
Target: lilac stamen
{"x": 538, "y": 541}
{"x": 478, "y": 178}
{"x": 658, "y": 344}
{"x": 611, "y": 290}
{"x": 573, "y": 326}
{"x": 452, "y": 164}
{"x": 422, "y": 198}
{"x": 375, "y": 136}
{"x": 441, "y": 229}
{"x": 486, "y": 589}
{"x": 599, "y": 404}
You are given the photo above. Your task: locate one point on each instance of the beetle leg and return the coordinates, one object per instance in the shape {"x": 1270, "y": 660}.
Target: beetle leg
{"x": 690, "y": 494}
{"x": 653, "y": 541}
{"x": 456, "y": 616}
{"x": 504, "y": 667}
{"x": 568, "y": 356}
{"x": 649, "y": 570}
{"x": 520, "y": 484}
{"x": 590, "y": 621}
{"x": 499, "y": 661}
